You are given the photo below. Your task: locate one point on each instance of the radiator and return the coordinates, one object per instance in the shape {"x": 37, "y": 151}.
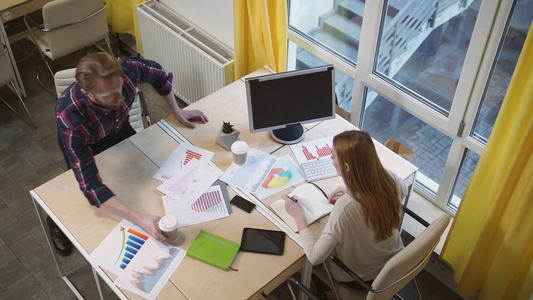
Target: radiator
{"x": 200, "y": 64}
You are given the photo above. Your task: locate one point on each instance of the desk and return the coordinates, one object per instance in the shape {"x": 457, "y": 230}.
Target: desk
{"x": 138, "y": 159}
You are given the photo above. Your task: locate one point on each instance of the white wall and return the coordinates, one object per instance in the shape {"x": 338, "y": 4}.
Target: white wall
{"x": 212, "y": 16}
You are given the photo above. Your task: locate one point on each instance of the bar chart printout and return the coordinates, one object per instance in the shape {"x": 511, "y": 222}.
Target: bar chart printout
{"x": 209, "y": 206}
{"x": 313, "y": 150}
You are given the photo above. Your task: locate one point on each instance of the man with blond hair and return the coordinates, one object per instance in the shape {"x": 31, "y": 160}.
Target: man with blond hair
{"x": 92, "y": 115}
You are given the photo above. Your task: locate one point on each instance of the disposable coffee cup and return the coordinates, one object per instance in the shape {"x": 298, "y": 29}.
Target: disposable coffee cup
{"x": 168, "y": 225}
{"x": 239, "y": 150}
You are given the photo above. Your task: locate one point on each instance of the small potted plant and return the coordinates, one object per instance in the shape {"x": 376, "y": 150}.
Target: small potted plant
{"x": 227, "y": 135}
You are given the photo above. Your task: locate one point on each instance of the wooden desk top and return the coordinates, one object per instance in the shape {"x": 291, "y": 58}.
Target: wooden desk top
{"x": 138, "y": 159}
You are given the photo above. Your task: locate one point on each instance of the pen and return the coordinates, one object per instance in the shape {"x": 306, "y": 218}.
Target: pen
{"x": 293, "y": 199}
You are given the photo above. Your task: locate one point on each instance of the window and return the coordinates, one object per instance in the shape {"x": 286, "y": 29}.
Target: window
{"x": 402, "y": 73}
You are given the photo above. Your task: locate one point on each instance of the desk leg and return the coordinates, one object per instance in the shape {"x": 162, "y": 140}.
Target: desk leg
{"x": 307, "y": 272}
{"x": 409, "y": 191}
{"x": 42, "y": 219}
{"x": 98, "y": 281}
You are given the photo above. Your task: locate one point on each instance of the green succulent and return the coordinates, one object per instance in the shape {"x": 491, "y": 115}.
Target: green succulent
{"x": 227, "y": 127}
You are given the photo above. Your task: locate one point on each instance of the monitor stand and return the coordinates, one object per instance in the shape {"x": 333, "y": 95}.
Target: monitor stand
{"x": 291, "y": 134}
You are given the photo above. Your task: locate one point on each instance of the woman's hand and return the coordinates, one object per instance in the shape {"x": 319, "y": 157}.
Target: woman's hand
{"x": 186, "y": 117}
{"x": 336, "y": 194}
{"x": 294, "y": 208}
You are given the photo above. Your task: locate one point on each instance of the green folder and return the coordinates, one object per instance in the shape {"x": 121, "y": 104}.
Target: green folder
{"x": 213, "y": 249}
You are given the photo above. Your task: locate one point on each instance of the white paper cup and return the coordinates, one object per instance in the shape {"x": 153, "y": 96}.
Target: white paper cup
{"x": 168, "y": 225}
{"x": 239, "y": 150}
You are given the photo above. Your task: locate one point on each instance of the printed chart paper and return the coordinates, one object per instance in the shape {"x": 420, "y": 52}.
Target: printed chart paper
{"x": 143, "y": 264}
{"x": 184, "y": 155}
{"x": 313, "y": 150}
{"x": 285, "y": 173}
{"x": 190, "y": 184}
{"x": 251, "y": 174}
{"x": 209, "y": 206}
{"x": 148, "y": 276}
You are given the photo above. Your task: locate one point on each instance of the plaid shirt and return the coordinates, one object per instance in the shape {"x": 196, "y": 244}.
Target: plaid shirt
{"x": 80, "y": 122}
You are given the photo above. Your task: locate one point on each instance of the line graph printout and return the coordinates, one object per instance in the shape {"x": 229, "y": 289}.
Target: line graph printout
{"x": 189, "y": 185}
{"x": 251, "y": 174}
{"x": 146, "y": 277}
{"x": 313, "y": 150}
{"x": 209, "y": 206}
{"x": 184, "y": 156}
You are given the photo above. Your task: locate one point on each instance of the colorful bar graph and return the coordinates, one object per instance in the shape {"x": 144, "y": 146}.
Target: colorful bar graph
{"x": 324, "y": 151}
{"x": 308, "y": 155}
{"x": 134, "y": 243}
{"x": 207, "y": 202}
{"x": 191, "y": 155}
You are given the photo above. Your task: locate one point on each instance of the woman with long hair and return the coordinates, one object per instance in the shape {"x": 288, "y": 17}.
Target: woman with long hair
{"x": 363, "y": 226}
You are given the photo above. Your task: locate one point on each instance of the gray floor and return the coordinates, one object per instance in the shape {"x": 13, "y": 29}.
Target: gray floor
{"x": 30, "y": 157}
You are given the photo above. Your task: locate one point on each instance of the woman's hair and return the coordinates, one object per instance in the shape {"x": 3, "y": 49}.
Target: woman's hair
{"x": 96, "y": 65}
{"x": 368, "y": 182}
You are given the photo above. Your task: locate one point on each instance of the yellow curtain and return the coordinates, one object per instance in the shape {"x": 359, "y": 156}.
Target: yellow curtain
{"x": 122, "y": 16}
{"x": 260, "y": 35}
{"x": 490, "y": 245}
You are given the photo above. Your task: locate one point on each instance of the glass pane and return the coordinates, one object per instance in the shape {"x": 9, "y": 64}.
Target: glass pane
{"x": 423, "y": 47}
{"x": 344, "y": 83}
{"x": 467, "y": 167}
{"x": 503, "y": 68}
{"x": 334, "y": 25}
{"x": 385, "y": 120}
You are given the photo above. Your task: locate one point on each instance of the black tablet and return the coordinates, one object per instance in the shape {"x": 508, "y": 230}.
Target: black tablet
{"x": 263, "y": 241}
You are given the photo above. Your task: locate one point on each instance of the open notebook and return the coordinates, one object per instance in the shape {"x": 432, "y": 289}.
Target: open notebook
{"x": 315, "y": 205}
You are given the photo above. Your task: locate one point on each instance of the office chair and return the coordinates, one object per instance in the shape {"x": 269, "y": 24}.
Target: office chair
{"x": 7, "y": 77}
{"x": 63, "y": 79}
{"x": 397, "y": 272}
{"x": 68, "y": 26}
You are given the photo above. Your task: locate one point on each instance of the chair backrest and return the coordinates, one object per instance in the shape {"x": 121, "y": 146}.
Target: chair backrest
{"x": 406, "y": 264}
{"x": 63, "y": 79}
{"x": 87, "y": 31}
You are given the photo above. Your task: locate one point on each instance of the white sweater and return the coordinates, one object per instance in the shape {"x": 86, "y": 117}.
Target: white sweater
{"x": 347, "y": 237}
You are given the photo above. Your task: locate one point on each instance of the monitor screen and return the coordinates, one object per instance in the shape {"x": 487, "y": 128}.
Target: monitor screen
{"x": 282, "y": 102}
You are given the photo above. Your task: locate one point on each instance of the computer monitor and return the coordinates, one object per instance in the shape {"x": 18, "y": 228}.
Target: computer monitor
{"x": 282, "y": 102}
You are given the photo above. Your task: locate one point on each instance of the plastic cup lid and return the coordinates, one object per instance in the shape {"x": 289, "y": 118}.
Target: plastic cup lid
{"x": 239, "y": 147}
{"x": 168, "y": 223}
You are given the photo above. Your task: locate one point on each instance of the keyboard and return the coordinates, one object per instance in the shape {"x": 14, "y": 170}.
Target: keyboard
{"x": 318, "y": 169}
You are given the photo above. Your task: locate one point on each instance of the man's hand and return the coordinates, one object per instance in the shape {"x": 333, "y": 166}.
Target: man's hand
{"x": 186, "y": 117}
{"x": 145, "y": 222}
{"x": 149, "y": 225}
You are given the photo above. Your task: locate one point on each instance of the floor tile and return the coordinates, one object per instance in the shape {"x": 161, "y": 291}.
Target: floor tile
{"x": 37, "y": 261}
{"x": 6, "y": 256}
{"x": 24, "y": 246}
{"x": 21, "y": 205}
{"x": 6, "y": 218}
{"x": 13, "y": 272}
{"x": 11, "y": 193}
{"x": 13, "y": 232}
{"x": 25, "y": 288}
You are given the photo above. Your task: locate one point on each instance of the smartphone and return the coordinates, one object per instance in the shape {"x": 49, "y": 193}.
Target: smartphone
{"x": 243, "y": 204}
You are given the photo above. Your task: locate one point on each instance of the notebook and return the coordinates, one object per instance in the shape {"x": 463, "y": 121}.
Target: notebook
{"x": 314, "y": 202}
{"x": 214, "y": 250}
